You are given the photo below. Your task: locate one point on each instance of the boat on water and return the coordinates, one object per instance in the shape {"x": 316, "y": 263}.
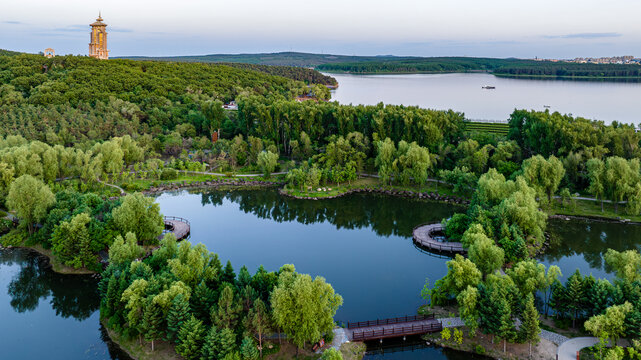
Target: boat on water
{"x": 488, "y": 87}
{"x": 546, "y": 106}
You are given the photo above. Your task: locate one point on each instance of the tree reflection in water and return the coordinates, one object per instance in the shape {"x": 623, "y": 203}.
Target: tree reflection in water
{"x": 386, "y": 215}
{"x": 70, "y": 295}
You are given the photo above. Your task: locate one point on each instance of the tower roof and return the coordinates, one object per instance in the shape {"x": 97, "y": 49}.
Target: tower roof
{"x": 98, "y": 21}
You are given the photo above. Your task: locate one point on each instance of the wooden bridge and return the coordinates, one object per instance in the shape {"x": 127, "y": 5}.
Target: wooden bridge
{"x": 424, "y": 236}
{"x": 393, "y": 327}
{"x": 180, "y": 227}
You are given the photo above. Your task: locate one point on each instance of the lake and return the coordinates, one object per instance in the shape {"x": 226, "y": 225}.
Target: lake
{"x": 607, "y": 101}
{"x": 360, "y": 243}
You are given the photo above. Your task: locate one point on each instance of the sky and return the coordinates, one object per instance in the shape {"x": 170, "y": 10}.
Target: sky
{"x": 491, "y": 28}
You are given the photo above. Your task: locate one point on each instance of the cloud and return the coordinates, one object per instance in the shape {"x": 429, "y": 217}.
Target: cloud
{"x": 584, "y": 36}
{"x": 11, "y": 22}
{"x": 121, "y": 30}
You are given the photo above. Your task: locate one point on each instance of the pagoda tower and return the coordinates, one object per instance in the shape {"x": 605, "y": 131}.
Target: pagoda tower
{"x": 98, "y": 37}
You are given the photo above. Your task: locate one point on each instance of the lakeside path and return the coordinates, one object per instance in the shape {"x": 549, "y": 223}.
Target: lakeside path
{"x": 568, "y": 349}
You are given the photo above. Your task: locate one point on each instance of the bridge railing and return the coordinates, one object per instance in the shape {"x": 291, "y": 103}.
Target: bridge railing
{"x": 389, "y": 321}
{"x": 361, "y": 335}
{"x": 177, "y": 218}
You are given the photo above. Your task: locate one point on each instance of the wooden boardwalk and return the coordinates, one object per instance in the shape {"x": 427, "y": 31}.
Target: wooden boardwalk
{"x": 180, "y": 227}
{"x": 423, "y": 235}
{"x": 393, "y": 327}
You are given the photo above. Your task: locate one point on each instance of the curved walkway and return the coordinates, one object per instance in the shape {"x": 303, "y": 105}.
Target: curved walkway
{"x": 568, "y": 349}
{"x": 422, "y": 234}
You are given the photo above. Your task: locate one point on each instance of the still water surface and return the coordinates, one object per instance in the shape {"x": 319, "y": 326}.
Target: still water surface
{"x": 607, "y": 101}
{"x": 361, "y": 244}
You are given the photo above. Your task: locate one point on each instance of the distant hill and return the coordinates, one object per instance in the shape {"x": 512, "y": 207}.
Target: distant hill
{"x": 281, "y": 58}
{"x": 4, "y": 52}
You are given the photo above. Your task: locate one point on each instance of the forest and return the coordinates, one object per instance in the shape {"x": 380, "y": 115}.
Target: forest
{"x": 499, "y": 67}
{"x": 72, "y": 124}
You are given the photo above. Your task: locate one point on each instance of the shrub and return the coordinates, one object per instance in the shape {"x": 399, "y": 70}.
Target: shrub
{"x": 169, "y": 174}
{"x": 479, "y": 349}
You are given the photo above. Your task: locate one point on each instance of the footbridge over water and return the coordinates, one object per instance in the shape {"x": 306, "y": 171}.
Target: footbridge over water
{"x": 425, "y": 235}
{"x": 393, "y": 327}
{"x": 180, "y": 227}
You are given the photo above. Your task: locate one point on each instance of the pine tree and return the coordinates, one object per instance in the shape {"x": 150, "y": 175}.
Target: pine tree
{"x": 226, "y": 342}
{"x": 190, "y": 339}
{"x": 152, "y": 322}
{"x": 201, "y": 302}
{"x": 228, "y": 275}
{"x": 210, "y": 346}
{"x": 574, "y": 295}
{"x": 110, "y": 300}
{"x": 258, "y": 322}
{"x": 226, "y": 314}
{"x": 248, "y": 349}
{"x": 178, "y": 314}
{"x": 244, "y": 278}
{"x": 507, "y": 331}
{"x": 530, "y": 326}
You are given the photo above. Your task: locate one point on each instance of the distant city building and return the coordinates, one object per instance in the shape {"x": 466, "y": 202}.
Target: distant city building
{"x": 98, "y": 44}
{"x": 49, "y": 52}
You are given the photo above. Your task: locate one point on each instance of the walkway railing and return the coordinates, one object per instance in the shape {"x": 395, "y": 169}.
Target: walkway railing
{"x": 363, "y": 335}
{"x": 177, "y": 218}
{"x": 389, "y": 321}
{"x": 424, "y": 238}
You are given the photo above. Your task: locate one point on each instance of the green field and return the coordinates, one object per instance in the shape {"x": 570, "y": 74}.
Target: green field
{"x": 495, "y": 128}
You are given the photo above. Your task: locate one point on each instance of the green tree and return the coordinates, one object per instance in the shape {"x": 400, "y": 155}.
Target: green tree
{"x": 544, "y": 175}
{"x": 596, "y": 174}
{"x": 30, "y": 198}
{"x": 610, "y": 325}
{"x": 178, "y": 313}
{"x": 530, "y": 325}
{"x": 304, "y": 308}
{"x": 574, "y": 295}
{"x": 485, "y": 255}
{"x": 551, "y": 276}
{"x": 226, "y": 314}
{"x": 259, "y": 322}
{"x": 190, "y": 339}
{"x": 331, "y": 354}
{"x": 124, "y": 251}
{"x": 385, "y": 155}
{"x": 461, "y": 273}
{"x": 72, "y": 242}
{"x": 140, "y": 215}
{"x": 626, "y": 264}
{"x": 134, "y": 298}
{"x": 202, "y": 301}
{"x": 248, "y": 349}
{"x": 267, "y": 161}
{"x": 528, "y": 276}
{"x": 152, "y": 322}
{"x": 467, "y": 302}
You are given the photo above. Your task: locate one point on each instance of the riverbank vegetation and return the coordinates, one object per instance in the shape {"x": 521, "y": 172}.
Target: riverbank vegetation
{"x": 500, "y": 67}
{"x": 182, "y": 295}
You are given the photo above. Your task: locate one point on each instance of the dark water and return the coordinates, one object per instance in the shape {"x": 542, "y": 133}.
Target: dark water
{"x": 361, "y": 244}
{"x": 414, "y": 348}
{"x": 44, "y": 315}
{"x": 607, "y": 101}
{"x": 581, "y": 244}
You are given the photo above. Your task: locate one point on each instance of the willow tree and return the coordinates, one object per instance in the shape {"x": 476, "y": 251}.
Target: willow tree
{"x": 30, "y": 198}
{"x": 304, "y": 308}
{"x": 139, "y": 215}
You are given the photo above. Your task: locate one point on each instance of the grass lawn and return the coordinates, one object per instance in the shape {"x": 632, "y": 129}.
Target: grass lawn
{"x": 589, "y": 208}
{"x": 368, "y": 183}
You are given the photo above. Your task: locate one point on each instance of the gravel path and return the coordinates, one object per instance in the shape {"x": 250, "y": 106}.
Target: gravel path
{"x": 452, "y": 322}
{"x": 553, "y": 337}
